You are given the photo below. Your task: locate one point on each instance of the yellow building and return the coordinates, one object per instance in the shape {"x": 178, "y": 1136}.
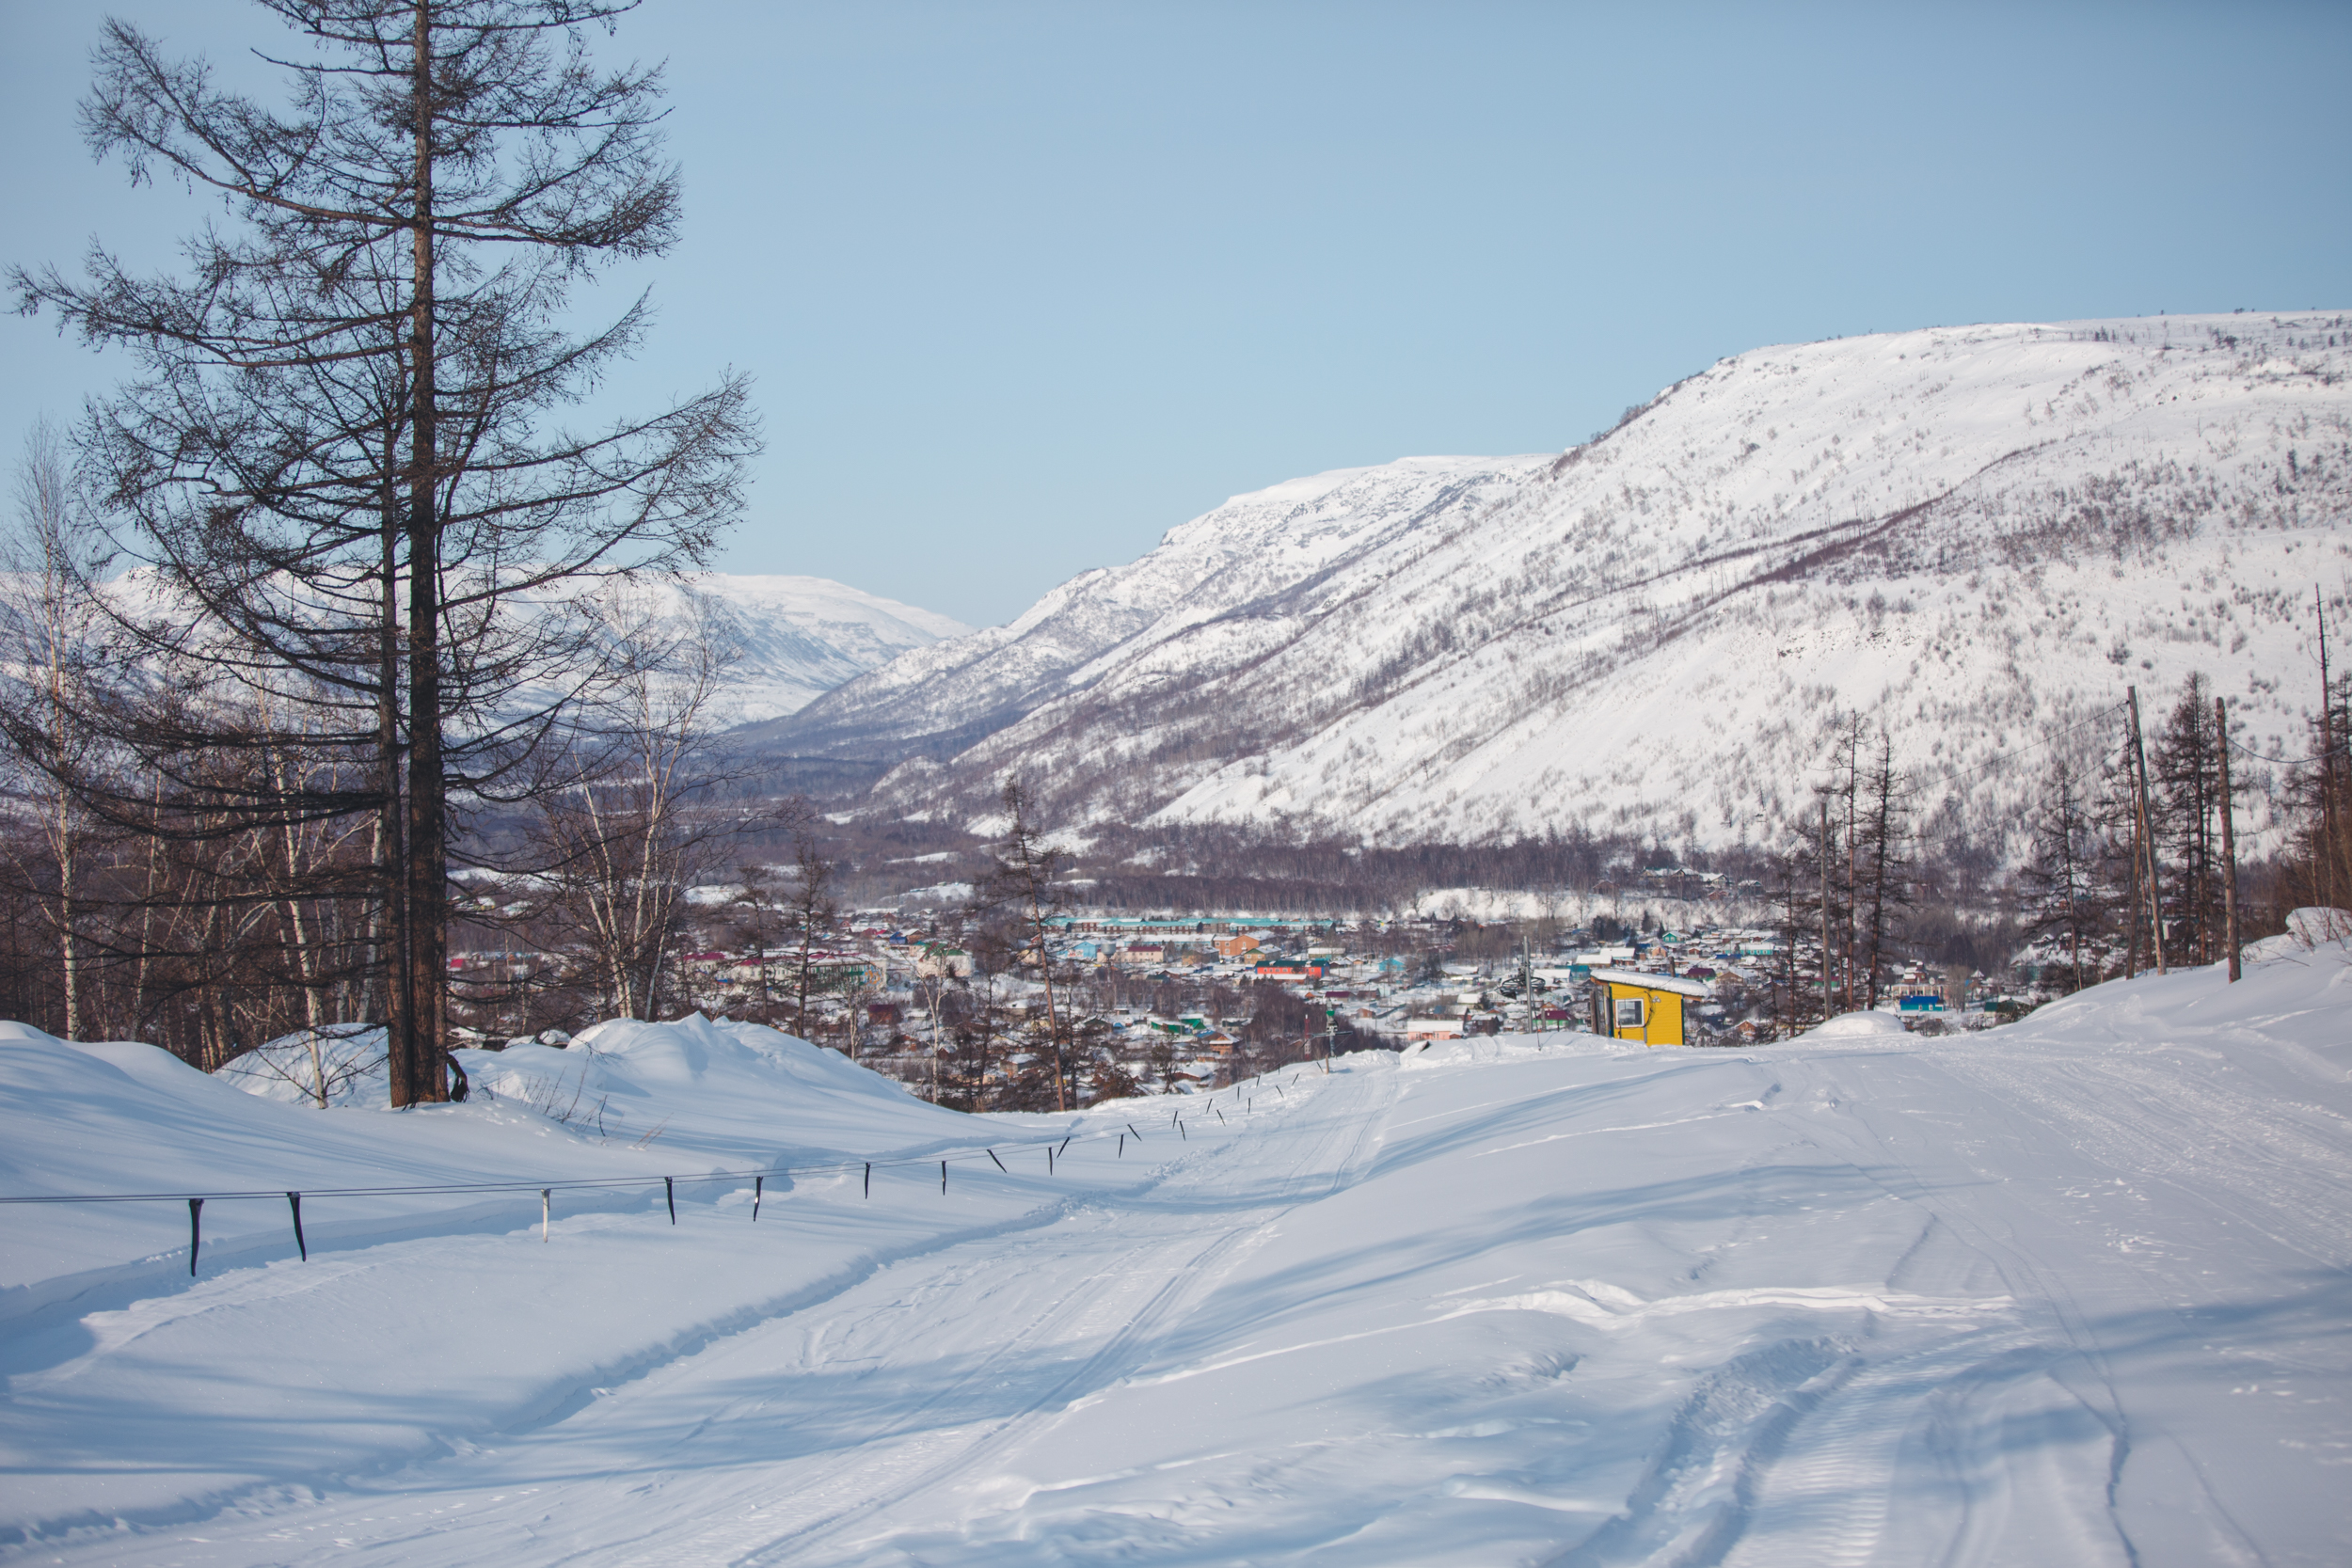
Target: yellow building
{"x": 1634, "y": 1004}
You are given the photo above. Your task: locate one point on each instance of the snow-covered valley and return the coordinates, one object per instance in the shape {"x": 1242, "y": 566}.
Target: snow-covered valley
{"x": 2072, "y": 1291}
{"x": 1975, "y": 536}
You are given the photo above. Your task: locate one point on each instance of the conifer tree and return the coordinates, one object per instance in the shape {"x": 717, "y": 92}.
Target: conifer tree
{"x": 341, "y": 461}
{"x": 1024, "y": 884}
{"x": 2185, "y": 782}
{"x": 2066, "y": 898}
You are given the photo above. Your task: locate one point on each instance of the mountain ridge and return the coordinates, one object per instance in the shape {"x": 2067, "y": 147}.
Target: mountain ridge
{"x": 1975, "y": 536}
{"x": 794, "y": 638}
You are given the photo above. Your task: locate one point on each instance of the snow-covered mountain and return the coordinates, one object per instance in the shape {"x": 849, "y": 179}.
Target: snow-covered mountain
{"x": 788, "y": 639}
{"x": 941, "y": 698}
{"x": 797, "y": 637}
{"x": 1975, "y": 536}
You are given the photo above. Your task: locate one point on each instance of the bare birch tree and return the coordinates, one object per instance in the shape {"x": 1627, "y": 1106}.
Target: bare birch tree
{"x": 47, "y": 650}
{"x": 632, "y": 823}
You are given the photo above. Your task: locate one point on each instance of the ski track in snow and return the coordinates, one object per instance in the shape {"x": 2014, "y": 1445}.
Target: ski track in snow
{"x": 2072, "y": 1293}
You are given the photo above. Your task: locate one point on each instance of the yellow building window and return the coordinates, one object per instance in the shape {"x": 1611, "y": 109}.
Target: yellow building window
{"x": 1629, "y": 1012}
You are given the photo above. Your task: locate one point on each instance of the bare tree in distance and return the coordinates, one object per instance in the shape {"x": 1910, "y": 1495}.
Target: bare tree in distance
{"x": 811, "y": 910}
{"x": 762, "y": 908}
{"x": 46, "y": 655}
{"x": 633, "y": 819}
{"x": 1882, "y": 862}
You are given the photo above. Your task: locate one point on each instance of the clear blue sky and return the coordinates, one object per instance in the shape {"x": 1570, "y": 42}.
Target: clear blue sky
{"x": 1023, "y": 285}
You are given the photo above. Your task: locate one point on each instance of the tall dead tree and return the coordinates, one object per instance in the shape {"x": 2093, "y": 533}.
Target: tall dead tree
{"x": 2319, "y": 868}
{"x": 1796, "y": 906}
{"x": 2327, "y": 862}
{"x": 1882, "y": 858}
{"x": 340, "y": 462}
{"x": 811, "y": 910}
{"x": 2231, "y": 944}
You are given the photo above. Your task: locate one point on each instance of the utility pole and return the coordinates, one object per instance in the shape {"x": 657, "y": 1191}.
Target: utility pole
{"x": 2229, "y": 839}
{"x": 2145, "y": 831}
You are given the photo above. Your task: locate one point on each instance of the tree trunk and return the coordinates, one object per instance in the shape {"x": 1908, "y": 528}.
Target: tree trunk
{"x": 2146, "y": 831}
{"x": 1826, "y": 1009}
{"x": 2229, "y": 839}
{"x": 392, "y": 935}
{"x": 417, "y": 1073}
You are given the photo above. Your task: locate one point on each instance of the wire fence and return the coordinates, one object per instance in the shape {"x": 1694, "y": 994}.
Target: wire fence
{"x": 547, "y": 1187}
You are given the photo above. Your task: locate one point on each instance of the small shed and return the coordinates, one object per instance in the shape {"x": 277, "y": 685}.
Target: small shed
{"x": 1635, "y": 1004}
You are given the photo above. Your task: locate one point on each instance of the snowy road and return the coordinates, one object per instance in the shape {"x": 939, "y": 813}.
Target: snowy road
{"x": 2074, "y": 1292}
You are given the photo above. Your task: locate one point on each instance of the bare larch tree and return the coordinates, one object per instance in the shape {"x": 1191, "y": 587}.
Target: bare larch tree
{"x": 340, "y": 460}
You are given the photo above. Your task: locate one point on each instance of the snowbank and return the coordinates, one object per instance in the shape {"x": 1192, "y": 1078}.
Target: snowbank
{"x": 2306, "y": 929}
{"x": 1861, "y": 1026}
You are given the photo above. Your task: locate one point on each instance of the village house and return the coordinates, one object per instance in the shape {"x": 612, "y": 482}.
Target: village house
{"x": 1635, "y": 1004}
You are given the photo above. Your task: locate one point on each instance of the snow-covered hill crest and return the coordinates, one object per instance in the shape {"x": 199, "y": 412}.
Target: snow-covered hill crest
{"x": 797, "y": 637}
{"x": 786, "y": 639}
{"x": 1975, "y": 536}
{"x": 939, "y": 698}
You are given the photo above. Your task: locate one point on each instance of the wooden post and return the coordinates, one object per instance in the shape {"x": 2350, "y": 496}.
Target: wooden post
{"x": 2147, "y": 832}
{"x": 2229, "y": 839}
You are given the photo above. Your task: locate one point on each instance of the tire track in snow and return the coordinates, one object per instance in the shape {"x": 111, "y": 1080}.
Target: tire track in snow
{"x": 1833, "y": 1486}
{"x": 582, "y": 1405}
{"x": 1343, "y": 1147}
{"x": 860, "y": 1483}
{"x": 2055, "y": 1329}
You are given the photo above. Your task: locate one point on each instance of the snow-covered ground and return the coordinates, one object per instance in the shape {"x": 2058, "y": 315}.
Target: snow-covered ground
{"x": 2070, "y": 1292}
